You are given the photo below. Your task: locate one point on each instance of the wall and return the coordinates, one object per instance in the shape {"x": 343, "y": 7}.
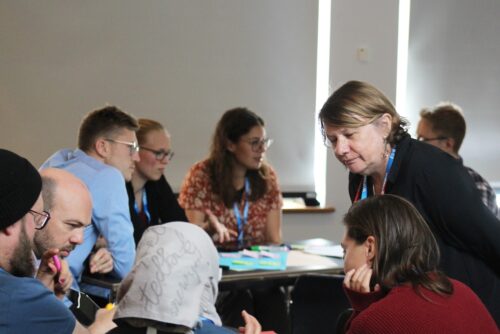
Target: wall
{"x": 181, "y": 62}
{"x": 454, "y": 54}
{"x": 184, "y": 63}
{"x": 373, "y": 26}
{"x": 60, "y": 59}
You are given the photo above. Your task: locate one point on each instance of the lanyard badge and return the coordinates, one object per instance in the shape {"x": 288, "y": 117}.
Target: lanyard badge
{"x": 241, "y": 220}
{"x": 363, "y": 188}
{"x": 144, "y": 206}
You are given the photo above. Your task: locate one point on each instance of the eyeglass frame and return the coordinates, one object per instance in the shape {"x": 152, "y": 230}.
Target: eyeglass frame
{"x": 425, "y": 140}
{"x": 258, "y": 144}
{"x": 160, "y": 155}
{"x": 44, "y": 214}
{"x": 132, "y": 146}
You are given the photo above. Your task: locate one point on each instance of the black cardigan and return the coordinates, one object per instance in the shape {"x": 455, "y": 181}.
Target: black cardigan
{"x": 467, "y": 232}
{"x": 162, "y": 205}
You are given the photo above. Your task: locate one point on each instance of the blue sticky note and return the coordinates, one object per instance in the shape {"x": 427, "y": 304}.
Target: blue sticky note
{"x": 250, "y": 263}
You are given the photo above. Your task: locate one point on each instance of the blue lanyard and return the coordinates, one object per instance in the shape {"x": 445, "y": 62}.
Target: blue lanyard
{"x": 144, "y": 205}
{"x": 241, "y": 221}
{"x": 364, "y": 192}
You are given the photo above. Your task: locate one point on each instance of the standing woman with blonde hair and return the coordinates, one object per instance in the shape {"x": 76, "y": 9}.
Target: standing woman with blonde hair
{"x": 234, "y": 195}
{"x": 369, "y": 137}
{"x": 151, "y": 199}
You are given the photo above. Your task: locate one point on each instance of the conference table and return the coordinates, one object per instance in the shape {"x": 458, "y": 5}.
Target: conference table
{"x": 299, "y": 263}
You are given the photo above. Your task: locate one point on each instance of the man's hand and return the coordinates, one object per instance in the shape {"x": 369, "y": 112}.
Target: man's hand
{"x": 58, "y": 281}
{"x": 252, "y": 326}
{"x": 103, "y": 323}
{"x": 64, "y": 281}
{"x": 101, "y": 261}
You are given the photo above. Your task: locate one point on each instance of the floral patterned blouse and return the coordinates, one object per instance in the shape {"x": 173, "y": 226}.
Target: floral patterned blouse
{"x": 196, "y": 194}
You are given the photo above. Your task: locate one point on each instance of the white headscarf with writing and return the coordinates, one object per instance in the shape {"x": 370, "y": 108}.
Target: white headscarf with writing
{"x": 174, "y": 279}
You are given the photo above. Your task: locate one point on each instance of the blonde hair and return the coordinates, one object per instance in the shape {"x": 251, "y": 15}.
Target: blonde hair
{"x": 146, "y": 126}
{"x": 358, "y": 103}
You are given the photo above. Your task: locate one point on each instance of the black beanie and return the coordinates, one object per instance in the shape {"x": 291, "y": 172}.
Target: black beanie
{"x": 20, "y": 186}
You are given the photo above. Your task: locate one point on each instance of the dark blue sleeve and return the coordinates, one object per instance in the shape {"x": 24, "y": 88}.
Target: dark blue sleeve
{"x": 35, "y": 309}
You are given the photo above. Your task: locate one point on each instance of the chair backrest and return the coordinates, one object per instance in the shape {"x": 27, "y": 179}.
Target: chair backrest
{"x": 316, "y": 303}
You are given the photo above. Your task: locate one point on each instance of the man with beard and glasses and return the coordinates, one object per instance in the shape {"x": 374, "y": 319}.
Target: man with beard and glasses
{"x": 67, "y": 199}
{"x": 26, "y": 305}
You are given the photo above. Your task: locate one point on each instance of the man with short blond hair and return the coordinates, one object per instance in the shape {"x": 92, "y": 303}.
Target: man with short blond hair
{"x": 105, "y": 159}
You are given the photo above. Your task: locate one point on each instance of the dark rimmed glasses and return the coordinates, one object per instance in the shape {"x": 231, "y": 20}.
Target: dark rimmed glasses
{"x": 160, "y": 154}
{"x": 431, "y": 139}
{"x": 133, "y": 146}
{"x": 41, "y": 218}
{"x": 259, "y": 144}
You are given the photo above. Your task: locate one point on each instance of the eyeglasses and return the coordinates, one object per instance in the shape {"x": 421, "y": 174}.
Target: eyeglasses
{"x": 260, "y": 144}
{"x": 431, "y": 139}
{"x": 41, "y": 218}
{"x": 133, "y": 146}
{"x": 160, "y": 154}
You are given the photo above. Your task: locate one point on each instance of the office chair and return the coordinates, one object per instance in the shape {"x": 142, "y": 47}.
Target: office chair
{"x": 317, "y": 301}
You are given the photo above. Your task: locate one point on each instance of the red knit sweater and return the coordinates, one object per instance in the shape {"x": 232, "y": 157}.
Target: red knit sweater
{"x": 404, "y": 311}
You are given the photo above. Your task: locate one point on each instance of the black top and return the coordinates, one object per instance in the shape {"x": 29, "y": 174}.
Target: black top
{"x": 446, "y": 196}
{"x": 162, "y": 206}
{"x": 206, "y": 328}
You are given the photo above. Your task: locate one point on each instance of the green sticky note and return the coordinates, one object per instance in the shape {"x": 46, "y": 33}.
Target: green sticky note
{"x": 242, "y": 262}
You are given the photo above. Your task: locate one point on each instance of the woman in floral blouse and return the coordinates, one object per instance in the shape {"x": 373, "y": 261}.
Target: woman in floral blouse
{"x": 234, "y": 195}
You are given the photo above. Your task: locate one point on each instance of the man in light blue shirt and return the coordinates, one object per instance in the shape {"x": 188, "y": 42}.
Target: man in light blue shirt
{"x": 104, "y": 160}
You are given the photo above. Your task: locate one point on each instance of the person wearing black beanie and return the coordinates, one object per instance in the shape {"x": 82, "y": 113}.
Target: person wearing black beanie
{"x": 21, "y": 213}
{"x": 20, "y": 187}
{"x": 21, "y": 206}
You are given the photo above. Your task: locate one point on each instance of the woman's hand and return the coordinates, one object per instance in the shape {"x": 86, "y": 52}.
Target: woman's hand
{"x": 359, "y": 279}
{"x": 252, "y": 326}
{"x": 223, "y": 233}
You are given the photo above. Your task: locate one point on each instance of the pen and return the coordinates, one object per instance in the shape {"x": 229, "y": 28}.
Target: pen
{"x": 57, "y": 263}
